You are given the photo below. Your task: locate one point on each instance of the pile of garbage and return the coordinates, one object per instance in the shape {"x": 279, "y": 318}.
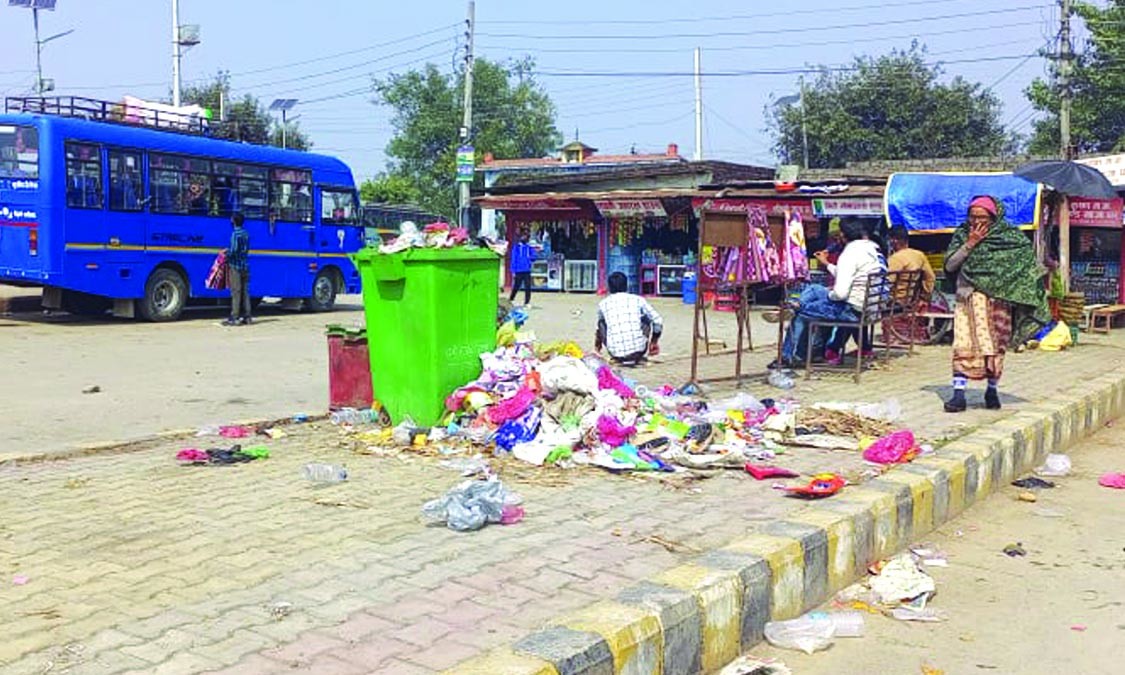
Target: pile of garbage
{"x": 553, "y": 405}
{"x": 434, "y": 235}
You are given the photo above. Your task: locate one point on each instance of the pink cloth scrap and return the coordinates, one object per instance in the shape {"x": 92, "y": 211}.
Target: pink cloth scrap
{"x": 612, "y": 432}
{"x": 511, "y": 408}
{"x": 235, "y": 432}
{"x": 1113, "y": 480}
{"x": 607, "y": 380}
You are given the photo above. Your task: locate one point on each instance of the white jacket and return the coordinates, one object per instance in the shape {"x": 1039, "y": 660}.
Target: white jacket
{"x": 858, "y": 259}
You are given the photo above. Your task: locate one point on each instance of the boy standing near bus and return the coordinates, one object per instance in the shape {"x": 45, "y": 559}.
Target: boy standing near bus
{"x": 238, "y": 266}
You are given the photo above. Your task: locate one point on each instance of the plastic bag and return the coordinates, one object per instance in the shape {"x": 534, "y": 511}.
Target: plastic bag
{"x": 896, "y": 448}
{"x": 1058, "y": 339}
{"x": 740, "y": 402}
{"x": 805, "y": 634}
{"x": 471, "y": 505}
{"x": 1055, "y": 465}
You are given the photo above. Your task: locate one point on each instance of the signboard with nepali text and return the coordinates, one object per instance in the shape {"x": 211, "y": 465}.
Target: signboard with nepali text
{"x": 465, "y": 164}
{"x": 773, "y": 207}
{"x": 1096, "y": 212}
{"x": 626, "y": 208}
{"x": 844, "y": 206}
{"x": 1111, "y": 166}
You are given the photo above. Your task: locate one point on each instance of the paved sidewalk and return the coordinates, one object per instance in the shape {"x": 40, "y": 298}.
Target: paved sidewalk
{"x": 135, "y": 564}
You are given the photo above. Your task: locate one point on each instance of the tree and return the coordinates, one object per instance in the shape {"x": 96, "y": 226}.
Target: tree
{"x": 890, "y": 107}
{"x": 389, "y": 188}
{"x": 512, "y": 118}
{"x": 247, "y": 119}
{"x": 1097, "y": 119}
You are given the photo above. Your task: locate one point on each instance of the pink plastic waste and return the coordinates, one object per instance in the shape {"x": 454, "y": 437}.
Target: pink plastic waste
{"x": 511, "y": 408}
{"x": 511, "y": 514}
{"x": 192, "y": 456}
{"x": 607, "y": 380}
{"x": 612, "y": 433}
{"x": 1113, "y": 480}
{"x": 235, "y": 432}
{"x": 896, "y": 448}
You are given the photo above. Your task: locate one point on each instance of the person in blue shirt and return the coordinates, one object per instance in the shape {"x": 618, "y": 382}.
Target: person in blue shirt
{"x": 238, "y": 266}
{"x": 519, "y": 260}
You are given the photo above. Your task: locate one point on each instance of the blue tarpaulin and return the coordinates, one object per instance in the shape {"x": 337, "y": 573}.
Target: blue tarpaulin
{"x": 936, "y": 202}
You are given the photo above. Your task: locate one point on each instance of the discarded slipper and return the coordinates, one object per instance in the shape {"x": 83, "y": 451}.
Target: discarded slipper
{"x": 1113, "y": 480}
{"x": 1033, "y": 483}
{"x": 232, "y": 455}
{"x": 821, "y": 485}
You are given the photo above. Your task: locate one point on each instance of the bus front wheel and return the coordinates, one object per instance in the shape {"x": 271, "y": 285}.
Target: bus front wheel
{"x": 165, "y": 296}
{"x": 323, "y": 297}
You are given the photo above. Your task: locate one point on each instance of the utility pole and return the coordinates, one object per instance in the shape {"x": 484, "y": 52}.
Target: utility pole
{"x": 804, "y": 127}
{"x": 698, "y": 106}
{"x": 465, "y": 183}
{"x": 38, "y": 53}
{"x": 1064, "y": 139}
{"x": 1065, "y": 55}
{"x": 176, "y": 54}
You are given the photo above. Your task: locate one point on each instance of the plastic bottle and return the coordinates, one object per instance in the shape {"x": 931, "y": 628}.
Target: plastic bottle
{"x": 319, "y": 472}
{"x": 354, "y": 416}
{"x": 780, "y": 380}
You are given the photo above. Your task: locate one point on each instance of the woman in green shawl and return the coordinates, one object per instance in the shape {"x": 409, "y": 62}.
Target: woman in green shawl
{"x": 1000, "y": 298}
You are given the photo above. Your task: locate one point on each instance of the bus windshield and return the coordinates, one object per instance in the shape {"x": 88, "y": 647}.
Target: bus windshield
{"x": 19, "y": 152}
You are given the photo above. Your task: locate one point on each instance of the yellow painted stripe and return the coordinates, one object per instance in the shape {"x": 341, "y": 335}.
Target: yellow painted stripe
{"x": 201, "y": 251}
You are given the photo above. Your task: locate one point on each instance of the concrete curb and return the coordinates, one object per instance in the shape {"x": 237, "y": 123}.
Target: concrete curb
{"x": 698, "y": 617}
{"x": 140, "y": 443}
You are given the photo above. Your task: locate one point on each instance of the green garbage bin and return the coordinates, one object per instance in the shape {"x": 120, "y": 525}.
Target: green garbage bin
{"x": 430, "y": 314}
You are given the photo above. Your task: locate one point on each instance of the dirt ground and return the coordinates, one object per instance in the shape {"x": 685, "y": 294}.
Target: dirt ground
{"x": 1057, "y": 610}
{"x": 155, "y": 377}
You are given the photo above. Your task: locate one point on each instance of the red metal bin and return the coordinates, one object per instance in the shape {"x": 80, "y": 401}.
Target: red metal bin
{"x": 349, "y": 369}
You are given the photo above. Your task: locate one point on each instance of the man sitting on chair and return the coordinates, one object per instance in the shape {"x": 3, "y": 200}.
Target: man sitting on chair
{"x": 628, "y": 327}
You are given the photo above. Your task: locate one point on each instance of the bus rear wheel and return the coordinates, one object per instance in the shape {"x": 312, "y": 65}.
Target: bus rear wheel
{"x": 165, "y": 296}
{"x": 323, "y": 297}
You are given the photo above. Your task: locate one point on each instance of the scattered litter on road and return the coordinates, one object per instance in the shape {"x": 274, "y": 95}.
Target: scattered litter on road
{"x": 1033, "y": 483}
{"x": 814, "y": 631}
{"x": 274, "y": 433}
{"x": 324, "y": 474}
{"x": 930, "y": 670}
{"x": 300, "y": 418}
{"x": 1015, "y": 550}
{"x": 926, "y": 614}
{"x": 670, "y": 545}
{"x": 1112, "y": 480}
{"x": 900, "y": 580}
{"x": 341, "y": 503}
{"x": 471, "y": 505}
{"x": 1027, "y": 496}
{"x": 896, "y": 448}
{"x": 280, "y": 610}
{"x": 760, "y": 472}
{"x": 1055, "y": 466}
{"x": 76, "y": 482}
{"x": 20, "y": 580}
{"x": 822, "y": 485}
{"x": 1078, "y": 628}
{"x": 235, "y": 431}
{"x": 752, "y": 665}
{"x": 222, "y": 456}
{"x": 92, "y": 389}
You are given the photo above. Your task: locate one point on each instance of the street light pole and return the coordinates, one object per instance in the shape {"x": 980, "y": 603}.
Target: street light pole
{"x": 804, "y": 128}
{"x": 464, "y": 186}
{"x": 176, "y": 54}
{"x": 38, "y": 53}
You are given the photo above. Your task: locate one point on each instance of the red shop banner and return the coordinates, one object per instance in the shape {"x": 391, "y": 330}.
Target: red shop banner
{"x": 774, "y": 207}
{"x": 1096, "y": 212}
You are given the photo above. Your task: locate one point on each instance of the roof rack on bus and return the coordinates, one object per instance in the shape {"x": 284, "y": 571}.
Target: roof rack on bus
{"x": 130, "y": 111}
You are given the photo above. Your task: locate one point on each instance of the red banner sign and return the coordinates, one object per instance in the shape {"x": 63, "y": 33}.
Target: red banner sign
{"x": 774, "y": 207}
{"x": 1096, "y": 212}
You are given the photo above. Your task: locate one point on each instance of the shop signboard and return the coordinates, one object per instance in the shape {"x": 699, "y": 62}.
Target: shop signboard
{"x": 1111, "y": 166}
{"x": 502, "y": 204}
{"x": 847, "y": 206}
{"x": 1096, "y": 212}
{"x": 774, "y": 207}
{"x": 465, "y": 164}
{"x": 630, "y": 208}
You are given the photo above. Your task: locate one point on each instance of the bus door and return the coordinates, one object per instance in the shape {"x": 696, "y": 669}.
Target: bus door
{"x": 88, "y": 243}
{"x": 22, "y": 242}
{"x": 340, "y": 231}
{"x": 126, "y": 220}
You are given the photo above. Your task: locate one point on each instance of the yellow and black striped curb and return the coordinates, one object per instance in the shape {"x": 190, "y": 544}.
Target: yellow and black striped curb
{"x": 698, "y": 617}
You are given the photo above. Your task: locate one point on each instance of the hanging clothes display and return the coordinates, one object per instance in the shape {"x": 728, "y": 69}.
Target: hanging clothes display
{"x": 796, "y": 265}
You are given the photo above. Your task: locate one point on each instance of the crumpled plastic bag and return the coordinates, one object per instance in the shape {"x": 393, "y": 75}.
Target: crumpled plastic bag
{"x": 511, "y": 408}
{"x": 895, "y": 448}
{"x": 612, "y": 432}
{"x": 471, "y": 505}
{"x": 519, "y": 430}
{"x": 607, "y": 379}
{"x": 567, "y": 373}
{"x": 1058, "y": 339}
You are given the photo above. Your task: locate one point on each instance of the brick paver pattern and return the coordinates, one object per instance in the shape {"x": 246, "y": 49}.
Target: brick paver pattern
{"x": 136, "y": 564}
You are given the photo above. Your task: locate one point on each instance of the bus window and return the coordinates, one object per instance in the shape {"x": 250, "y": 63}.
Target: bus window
{"x": 338, "y": 207}
{"x": 19, "y": 152}
{"x": 125, "y": 184}
{"x": 180, "y": 184}
{"x": 291, "y": 195}
{"x": 83, "y": 176}
{"x": 239, "y": 187}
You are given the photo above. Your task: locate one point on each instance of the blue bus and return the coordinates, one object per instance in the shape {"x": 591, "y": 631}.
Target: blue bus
{"x": 108, "y": 214}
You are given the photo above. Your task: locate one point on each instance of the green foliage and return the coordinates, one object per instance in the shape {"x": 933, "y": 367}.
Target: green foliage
{"x": 247, "y": 118}
{"x": 1097, "y": 119}
{"x": 512, "y": 118}
{"x": 890, "y": 107}
{"x": 389, "y": 188}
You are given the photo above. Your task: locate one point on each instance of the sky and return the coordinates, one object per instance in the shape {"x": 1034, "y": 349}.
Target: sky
{"x": 619, "y": 71}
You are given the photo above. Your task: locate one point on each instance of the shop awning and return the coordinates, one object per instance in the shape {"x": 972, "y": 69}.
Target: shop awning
{"x": 938, "y": 202}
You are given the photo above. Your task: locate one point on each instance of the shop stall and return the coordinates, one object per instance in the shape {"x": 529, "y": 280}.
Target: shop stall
{"x": 1095, "y": 249}
{"x": 650, "y": 241}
